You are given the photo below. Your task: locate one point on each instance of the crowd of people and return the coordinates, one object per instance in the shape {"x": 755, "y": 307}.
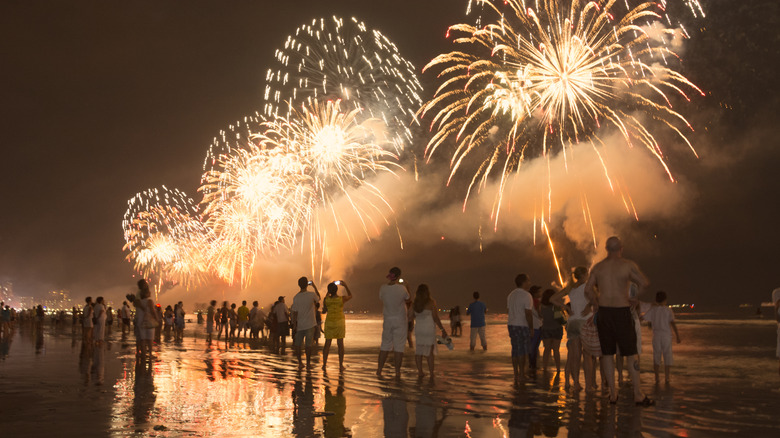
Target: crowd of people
{"x": 598, "y": 309}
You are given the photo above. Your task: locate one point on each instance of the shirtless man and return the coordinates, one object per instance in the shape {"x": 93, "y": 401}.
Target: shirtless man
{"x": 608, "y": 289}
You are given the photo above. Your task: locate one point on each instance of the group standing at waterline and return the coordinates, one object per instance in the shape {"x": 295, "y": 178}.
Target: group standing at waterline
{"x": 603, "y": 317}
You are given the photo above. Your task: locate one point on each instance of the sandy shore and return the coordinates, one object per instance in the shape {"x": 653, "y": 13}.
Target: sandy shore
{"x": 50, "y": 385}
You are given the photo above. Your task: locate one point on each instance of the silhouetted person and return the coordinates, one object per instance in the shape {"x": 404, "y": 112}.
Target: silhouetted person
{"x": 395, "y": 298}
{"x": 613, "y": 277}
{"x": 477, "y": 311}
{"x": 335, "y": 323}
{"x": 520, "y": 322}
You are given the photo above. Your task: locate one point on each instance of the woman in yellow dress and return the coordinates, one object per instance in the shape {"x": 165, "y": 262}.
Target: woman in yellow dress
{"x": 335, "y": 324}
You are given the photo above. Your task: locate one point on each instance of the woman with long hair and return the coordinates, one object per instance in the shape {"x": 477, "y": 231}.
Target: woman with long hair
{"x": 335, "y": 323}
{"x": 426, "y": 318}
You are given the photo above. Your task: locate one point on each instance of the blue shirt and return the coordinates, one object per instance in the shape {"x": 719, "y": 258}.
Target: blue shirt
{"x": 477, "y": 311}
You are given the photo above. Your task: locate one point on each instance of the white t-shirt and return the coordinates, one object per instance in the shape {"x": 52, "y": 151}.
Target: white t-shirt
{"x": 578, "y": 301}
{"x": 775, "y": 298}
{"x": 303, "y": 303}
{"x": 281, "y": 312}
{"x": 394, "y": 297}
{"x": 660, "y": 317}
{"x": 518, "y": 302}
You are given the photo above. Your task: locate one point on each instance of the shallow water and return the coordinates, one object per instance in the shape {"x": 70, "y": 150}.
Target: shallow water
{"x": 725, "y": 383}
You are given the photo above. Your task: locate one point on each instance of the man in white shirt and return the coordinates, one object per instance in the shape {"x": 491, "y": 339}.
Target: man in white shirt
{"x": 776, "y": 302}
{"x": 304, "y": 320}
{"x": 395, "y": 298}
{"x": 519, "y": 322}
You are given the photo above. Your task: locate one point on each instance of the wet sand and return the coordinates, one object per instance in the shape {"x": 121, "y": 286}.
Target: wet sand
{"x": 725, "y": 384}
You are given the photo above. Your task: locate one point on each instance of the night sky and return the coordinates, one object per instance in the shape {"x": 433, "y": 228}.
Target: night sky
{"x": 101, "y": 100}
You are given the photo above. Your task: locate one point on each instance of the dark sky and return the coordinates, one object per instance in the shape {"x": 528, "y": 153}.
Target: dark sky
{"x": 101, "y": 100}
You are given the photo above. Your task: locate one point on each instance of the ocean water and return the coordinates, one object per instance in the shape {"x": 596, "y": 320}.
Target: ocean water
{"x": 725, "y": 383}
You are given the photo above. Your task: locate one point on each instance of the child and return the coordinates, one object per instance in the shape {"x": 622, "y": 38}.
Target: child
{"x": 661, "y": 318}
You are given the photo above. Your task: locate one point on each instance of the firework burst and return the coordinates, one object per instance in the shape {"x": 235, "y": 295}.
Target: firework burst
{"x": 338, "y": 59}
{"x": 537, "y": 82}
{"x": 164, "y": 237}
{"x": 282, "y": 188}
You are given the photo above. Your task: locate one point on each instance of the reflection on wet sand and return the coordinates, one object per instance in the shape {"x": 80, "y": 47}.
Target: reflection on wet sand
{"x": 336, "y": 405}
{"x": 240, "y": 388}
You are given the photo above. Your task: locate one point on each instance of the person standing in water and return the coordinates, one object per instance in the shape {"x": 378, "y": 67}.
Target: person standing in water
{"x": 335, "y": 323}
{"x": 395, "y": 298}
{"x": 607, "y": 290}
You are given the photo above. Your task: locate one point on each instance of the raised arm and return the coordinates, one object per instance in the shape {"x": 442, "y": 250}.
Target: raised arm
{"x": 557, "y": 297}
{"x": 590, "y": 291}
{"x": 349, "y": 292}
{"x": 316, "y": 291}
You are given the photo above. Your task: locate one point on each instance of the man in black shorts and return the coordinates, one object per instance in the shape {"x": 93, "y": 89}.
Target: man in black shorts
{"x": 608, "y": 291}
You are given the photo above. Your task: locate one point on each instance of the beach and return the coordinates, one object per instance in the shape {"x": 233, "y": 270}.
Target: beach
{"x": 724, "y": 383}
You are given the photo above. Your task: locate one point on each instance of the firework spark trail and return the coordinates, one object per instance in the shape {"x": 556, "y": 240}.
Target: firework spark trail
{"x": 332, "y": 59}
{"x": 164, "y": 237}
{"x": 549, "y": 75}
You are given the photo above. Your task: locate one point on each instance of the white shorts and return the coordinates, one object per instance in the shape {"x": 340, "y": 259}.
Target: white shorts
{"x": 394, "y": 335}
{"x": 662, "y": 347}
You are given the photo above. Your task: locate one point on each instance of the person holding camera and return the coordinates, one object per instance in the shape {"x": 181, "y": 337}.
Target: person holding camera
{"x": 304, "y": 320}
{"x": 335, "y": 323}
